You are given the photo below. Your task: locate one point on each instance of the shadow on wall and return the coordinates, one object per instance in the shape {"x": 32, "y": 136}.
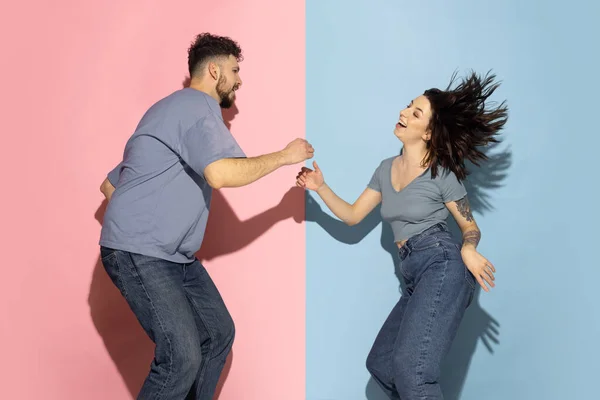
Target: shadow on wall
{"x": 127, "y": 344}
{"x": 477, "y": 323}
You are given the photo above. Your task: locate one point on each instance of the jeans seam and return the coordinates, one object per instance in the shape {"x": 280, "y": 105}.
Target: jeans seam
{"x": 119, "y": 282}
{"x": 427, "y": 339}
{"x": 211, "y": 347}
{"x": 160, "y": 323}
{"x": 403, "y": 270}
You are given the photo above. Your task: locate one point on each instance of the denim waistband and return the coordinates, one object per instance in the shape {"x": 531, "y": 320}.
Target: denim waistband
{"x": 410, "y": 244}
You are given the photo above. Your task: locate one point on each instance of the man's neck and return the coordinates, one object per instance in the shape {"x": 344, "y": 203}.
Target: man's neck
{"x": 199, "y": 84}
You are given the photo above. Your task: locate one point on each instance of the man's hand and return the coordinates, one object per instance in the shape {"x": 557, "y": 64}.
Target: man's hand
{"x": 107, "y": 189}
{"x": 297, "y": 151}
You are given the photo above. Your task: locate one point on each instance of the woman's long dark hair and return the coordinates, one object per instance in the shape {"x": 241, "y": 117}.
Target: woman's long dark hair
{"x": 461, "y": 124}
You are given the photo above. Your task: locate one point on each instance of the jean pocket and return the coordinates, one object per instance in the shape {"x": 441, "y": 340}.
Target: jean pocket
{"x": 426, "y": 245}
{"x": 111, "y": 265}
{"x": 470, "y": 278}
{"x": 108, "y": 256}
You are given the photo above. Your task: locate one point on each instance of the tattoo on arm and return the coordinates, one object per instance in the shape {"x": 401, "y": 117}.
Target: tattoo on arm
{"x": 472, "y": 237}
{"x": 464, "y": 208}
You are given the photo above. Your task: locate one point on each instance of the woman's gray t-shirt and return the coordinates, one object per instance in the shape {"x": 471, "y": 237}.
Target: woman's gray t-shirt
{"x": 421, "y": 204}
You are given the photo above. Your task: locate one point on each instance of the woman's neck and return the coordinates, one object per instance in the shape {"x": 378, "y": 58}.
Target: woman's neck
{"x": 412, "y": 156}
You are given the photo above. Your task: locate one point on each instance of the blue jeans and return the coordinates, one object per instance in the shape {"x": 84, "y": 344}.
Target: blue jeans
{"x": 182, "y": 311}
{"x": 406, "y": 356}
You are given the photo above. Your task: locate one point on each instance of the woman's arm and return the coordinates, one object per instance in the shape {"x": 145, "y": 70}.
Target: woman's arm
{"x": 461, "y": 211}
{"x": 480, "y": 267}
{"x": 351, "y": 214}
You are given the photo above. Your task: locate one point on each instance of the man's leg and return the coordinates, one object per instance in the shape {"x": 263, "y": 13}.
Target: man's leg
{"x": 154, "y": 289}
{"x": 215, "y": 328}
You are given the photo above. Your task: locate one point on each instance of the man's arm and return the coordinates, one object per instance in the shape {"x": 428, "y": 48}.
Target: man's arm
{"x": 107, "y": 189}
{"x": 235, "y": 172}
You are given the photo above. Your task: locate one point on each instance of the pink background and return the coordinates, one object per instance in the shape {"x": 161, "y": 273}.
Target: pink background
{"x": 76, "y": 78}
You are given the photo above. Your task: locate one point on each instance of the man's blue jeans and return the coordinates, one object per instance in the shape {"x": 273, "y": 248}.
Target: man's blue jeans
{"x": 182, "y": 311}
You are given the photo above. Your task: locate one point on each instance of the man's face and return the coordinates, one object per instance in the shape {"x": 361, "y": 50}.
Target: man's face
{"x": 229, "y": 81}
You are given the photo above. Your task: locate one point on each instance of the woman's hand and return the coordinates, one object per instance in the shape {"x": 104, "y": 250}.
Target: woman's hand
{"x": 480, "y": 267}
{"x": 309, "y": 179}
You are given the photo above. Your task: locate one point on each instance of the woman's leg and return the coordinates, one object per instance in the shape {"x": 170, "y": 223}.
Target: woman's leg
{"x": 442, "y": 291}
{"x": 379, "y": 360}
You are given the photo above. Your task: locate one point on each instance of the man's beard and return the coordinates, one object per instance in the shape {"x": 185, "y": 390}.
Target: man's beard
{"x": 227, "y": 96}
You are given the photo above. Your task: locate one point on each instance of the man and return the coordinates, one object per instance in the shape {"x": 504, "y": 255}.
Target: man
{"x": 156, "y": 217}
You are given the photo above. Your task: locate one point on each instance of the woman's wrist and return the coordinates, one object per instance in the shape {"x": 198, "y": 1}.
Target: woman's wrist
{"x": 321, "y": 188}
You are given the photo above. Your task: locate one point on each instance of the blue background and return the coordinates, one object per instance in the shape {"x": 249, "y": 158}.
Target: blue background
{"x": 536, "y": 335}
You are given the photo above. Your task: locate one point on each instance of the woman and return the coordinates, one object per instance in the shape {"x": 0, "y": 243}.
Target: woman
{"x": 440, "y": 130}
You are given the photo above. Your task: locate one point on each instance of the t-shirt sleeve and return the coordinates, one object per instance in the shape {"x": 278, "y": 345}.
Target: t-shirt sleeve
{"x": 451, "y": 188}
{"x": 208, "y": 141}
{"x": 113, "y": 176}
{"x": 375, "y": 182}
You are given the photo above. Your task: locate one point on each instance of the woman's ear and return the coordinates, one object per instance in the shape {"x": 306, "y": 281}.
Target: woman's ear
{"x": 427, "y": 135}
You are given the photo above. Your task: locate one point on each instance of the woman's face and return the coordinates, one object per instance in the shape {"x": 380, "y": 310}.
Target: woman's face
{"x": 413, "y": 123}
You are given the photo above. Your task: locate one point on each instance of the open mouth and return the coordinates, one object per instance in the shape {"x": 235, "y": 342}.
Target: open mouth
{"x": 401, "y": 124}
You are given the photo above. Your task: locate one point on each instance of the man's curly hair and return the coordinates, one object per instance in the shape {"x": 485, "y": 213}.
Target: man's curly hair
{"x": 461, "y": 123}
{"x": 207, "y": 46}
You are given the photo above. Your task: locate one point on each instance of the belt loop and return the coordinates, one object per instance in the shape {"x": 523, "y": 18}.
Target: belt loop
{"x": 404, "y": 251}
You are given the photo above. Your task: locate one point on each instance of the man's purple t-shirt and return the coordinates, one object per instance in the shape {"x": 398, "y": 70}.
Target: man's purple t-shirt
{"x": 161, "y": 202}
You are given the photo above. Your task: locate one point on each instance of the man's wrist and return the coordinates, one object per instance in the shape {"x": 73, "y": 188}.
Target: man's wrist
{"x": 283, "y": 158}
